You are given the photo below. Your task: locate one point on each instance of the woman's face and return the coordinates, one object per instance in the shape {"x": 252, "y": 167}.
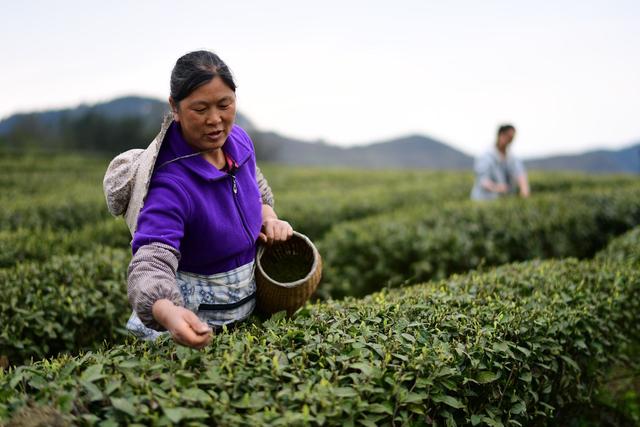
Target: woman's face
{"x": 206, "y": 116}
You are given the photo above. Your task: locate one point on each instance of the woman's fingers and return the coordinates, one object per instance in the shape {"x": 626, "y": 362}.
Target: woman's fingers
{"x": 265, "y": 233}
{"x": 278, "y": 233}
{"x": 271, "y": 232}
{"x": 275, "y": 231}
{"x": 282, "y": 232}
{"x": 285, "y": 231}
{"x": 190, "y": 338}
{"x": 191, "y": 331}
{"x": 198, "y": 326}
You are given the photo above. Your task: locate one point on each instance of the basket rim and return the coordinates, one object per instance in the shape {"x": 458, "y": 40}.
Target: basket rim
{"x": 298, "y": 282}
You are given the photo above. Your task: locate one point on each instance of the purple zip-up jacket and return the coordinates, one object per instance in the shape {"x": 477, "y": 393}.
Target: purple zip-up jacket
{"x": 211, "y": 217}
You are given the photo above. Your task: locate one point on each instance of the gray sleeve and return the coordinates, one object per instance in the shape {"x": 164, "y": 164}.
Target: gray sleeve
{"x": 518, "y": 168}
{"x": 152, "y": 277}
{"x": 265, "y": 190}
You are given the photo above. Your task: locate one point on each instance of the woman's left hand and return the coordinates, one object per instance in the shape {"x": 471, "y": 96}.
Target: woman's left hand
{"x": 275, "y": 230}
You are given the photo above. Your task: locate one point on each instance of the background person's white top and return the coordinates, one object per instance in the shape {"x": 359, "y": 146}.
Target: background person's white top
{"x": 501, "y": 171}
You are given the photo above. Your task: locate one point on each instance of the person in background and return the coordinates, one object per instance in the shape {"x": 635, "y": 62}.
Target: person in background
{"x": 497, "y": 172}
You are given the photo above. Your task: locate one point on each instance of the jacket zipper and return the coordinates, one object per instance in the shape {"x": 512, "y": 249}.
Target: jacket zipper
{"x": 235, "y": 198}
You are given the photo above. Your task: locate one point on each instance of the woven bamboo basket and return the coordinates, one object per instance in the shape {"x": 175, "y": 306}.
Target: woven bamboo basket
{"x": 287, "y": 274}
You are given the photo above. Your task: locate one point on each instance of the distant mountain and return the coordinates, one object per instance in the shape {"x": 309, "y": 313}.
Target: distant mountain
{"x": 414, "y": 151}
{"x": 133, "y": 121}
{"x": 626, "y": 160}
{"x": 107, "y": 127}
{"x": 149, "y": 110}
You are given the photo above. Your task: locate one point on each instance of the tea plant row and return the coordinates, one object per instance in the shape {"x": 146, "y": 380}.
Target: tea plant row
{"x": 505, "y": 347}
{"x": 65, "y": 304}
{"x": 64, "y": 193}
{"x": 432, "y": 242}
{"x": 40, "y": 314}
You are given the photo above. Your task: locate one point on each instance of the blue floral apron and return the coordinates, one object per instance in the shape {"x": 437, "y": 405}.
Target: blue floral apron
{"x": 220, "y": 299}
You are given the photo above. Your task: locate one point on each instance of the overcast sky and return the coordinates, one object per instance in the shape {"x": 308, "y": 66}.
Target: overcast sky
{"x": 566, "y": 73}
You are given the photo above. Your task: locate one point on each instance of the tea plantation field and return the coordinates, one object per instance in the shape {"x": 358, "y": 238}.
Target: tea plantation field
{"x": 433, "y": 310}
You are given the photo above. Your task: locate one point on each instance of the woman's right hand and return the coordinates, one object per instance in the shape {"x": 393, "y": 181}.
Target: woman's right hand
{"x": 183, "y": 324}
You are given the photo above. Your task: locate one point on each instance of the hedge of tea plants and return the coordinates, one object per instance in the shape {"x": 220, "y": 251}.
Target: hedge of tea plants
{"x": 57, "y": 191}
{"x": 505, "y": 347}
{"x": 623, "y": 248}
{"x": 67, "y": 303}
{"x": 456, "y": 240}
{"x": 65, "y": 192}
{"x": 26, "y": 244}
{"x": 561, "y": 182}
{"x": 312, "y": 208}
{"x": 60, "y": 211}
{"x": 314, "y": 203}
{"x": 316, "y": 199}
{"x": 427, "y": 242}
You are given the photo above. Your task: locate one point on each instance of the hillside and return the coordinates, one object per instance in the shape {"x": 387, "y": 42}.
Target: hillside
{"x": 132, "y": 121}
{"x": 626, "y": 160}
{"x": 150, "y": 110}
{"x": 414, "y": 151}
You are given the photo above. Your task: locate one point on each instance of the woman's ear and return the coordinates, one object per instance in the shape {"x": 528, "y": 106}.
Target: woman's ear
{"x": 174, "y": 109}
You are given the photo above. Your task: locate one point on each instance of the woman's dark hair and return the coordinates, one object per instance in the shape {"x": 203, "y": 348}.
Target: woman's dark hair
{"x": 196, "y": 69}
{"x": 506, "y": 127}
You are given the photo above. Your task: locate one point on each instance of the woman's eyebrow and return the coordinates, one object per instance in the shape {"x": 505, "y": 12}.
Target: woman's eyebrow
{"x": 202, "y": 101}
{"x": 198, "y": 101}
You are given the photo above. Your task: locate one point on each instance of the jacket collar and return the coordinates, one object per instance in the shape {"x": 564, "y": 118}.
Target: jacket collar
{"x": 498, "y": 155}
{"x": 176, "y": 146}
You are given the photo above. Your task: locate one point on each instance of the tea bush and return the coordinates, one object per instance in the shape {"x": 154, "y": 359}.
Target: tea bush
{"x": 64, "y": 304}
{"x": 315, "y": 200}
{"x": 24, "y": 244}
{"x": 506, "y": 347}
{"x": 562, "y": 182}
{"x": 59, "y": 211}
{"x": 623, "y": 248}
{"x": 427, "y": 242}
{"x": 65, "y": 192}
{"x": 34, "y": 164}
{"x": 27, "y": 177}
